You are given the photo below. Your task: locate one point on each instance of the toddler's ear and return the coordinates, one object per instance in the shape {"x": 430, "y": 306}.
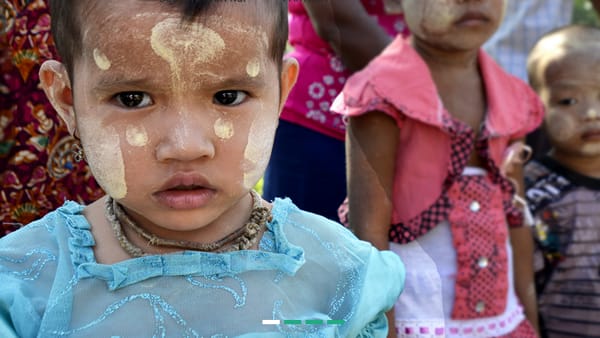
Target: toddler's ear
{"x": 57, "y": 86}
{"x": 289, "y": 74}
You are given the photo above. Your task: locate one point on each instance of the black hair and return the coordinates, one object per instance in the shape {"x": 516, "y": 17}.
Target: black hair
{"x": 66, "y": 24}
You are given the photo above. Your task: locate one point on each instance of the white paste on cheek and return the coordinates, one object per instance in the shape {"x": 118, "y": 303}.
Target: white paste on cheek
{"x": 101, "y": 60}
{"x": 253, "y": 67}
{"x": 258, "y": 148}
{"x": 592, "y": 114}
{"x": 136, "y": 137}
{"x": 105, "y": 158}
{"x": 177, "y": 46}
{"x": 438, "y": 16}
{"x": 560, "y": 126}
{"x": 223, "y": 129}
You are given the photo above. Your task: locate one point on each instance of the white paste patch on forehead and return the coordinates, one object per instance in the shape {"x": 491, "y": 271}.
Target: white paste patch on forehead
{"x": 178, "y": 44}
{"x": 101, "y": 60}
{"x": 223, "y": 129}
{"x": 253, "y": 67}
{"x": 136, "y": 136}
{"x": 106, "y": 160}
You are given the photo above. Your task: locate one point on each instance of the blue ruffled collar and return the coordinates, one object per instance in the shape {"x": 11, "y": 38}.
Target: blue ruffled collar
{"x": 276, "y": 253}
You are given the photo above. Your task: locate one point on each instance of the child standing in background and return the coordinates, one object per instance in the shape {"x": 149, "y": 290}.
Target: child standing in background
{"x": 330, "y": 39}
{"x": 430, "y": 122}
{"x": 176, "y": 105}
{"x": 563, "y": 187}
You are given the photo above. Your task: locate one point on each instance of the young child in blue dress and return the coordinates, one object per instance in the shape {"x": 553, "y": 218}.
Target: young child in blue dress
{"x": 176, "y": 104}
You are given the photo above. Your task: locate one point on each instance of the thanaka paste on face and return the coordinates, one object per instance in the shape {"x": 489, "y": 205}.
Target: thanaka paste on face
{"x": 175, "y": 45}
{"x": 223, "y": 128}
{"x": 436, "y": 16}
{"x": 101, "y": 60}
{"x": 561, "y": 126}
{"x": 136, "y": 136}
{"x": 253, "y": 67}
{"x": 104, "y": 156}
{"x": 258, "y": 147}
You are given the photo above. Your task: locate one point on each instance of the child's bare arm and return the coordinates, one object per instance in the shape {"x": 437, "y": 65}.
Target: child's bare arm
{"x": 522, "y": 244}
{"x": 346, "y": 26}
{"x": 371, "y": 143}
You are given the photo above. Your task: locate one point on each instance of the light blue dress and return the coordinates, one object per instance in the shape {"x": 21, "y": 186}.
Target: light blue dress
{"x": 307, "y": 268}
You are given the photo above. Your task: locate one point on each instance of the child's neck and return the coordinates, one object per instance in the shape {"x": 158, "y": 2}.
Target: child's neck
{"x": 456, "y": 73}
{"x": 587, "y": 166}
{"x": 443, "y": 61}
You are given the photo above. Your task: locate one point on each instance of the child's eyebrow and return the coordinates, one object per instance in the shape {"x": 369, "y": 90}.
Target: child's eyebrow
{"x": 241, "y": 81}
{"x": 110, "y": 82}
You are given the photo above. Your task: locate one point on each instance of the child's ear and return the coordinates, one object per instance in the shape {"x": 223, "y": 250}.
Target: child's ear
{"x": 289, "y": 74}
{"x": 57, "y": 86}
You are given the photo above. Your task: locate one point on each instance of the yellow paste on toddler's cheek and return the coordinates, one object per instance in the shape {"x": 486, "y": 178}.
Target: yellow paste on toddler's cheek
{"x": 253, "y": 67}
{"x": 105, "y": 158}
{"x": 432, "y": 17}
{"x": 136, "y": 136}
{"x": 223, "y": 129}
{"x": 258, "y": 147}
{"x": 560, "y": 127}
{"x": 101, "y": 60}
{"x": 176, "y": 45}
{"x": 438, "y": 17}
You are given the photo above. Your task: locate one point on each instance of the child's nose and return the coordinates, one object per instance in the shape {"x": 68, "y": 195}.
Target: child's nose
{"x": 187, "y": 138}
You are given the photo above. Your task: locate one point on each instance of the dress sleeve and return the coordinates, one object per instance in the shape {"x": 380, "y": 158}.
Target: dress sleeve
{"x": 383, "y": 283}
{"x": 359, "y": 97}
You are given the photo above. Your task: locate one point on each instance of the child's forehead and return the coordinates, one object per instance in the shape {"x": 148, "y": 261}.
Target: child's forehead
{"x": 154, "y": 43}
{"x": 141, "y": 15}
{"x": 571, "y": 53}
{"x": 154, "y": 25}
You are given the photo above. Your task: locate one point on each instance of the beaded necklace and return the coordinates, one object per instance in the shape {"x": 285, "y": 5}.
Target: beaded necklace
{"x": 241, "y": 239}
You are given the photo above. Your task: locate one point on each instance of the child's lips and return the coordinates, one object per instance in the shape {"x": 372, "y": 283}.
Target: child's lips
{"x": 183, "y": 199}
{"x": 472, "y": 19}
{"x": 185, "y": 191}
{"x": 591, "y": 135}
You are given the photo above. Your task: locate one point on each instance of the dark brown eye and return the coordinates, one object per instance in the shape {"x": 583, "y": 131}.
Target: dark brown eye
{"x": 567, "y": 102}
{"x": 133, "y": 99}
{"x": 230, "y": 97}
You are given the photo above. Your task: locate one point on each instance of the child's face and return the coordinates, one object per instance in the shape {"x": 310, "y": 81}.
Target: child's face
{"x": 176, "y": 120}
{"x": 453, "y": 24}
{"x": 570, "y": 89}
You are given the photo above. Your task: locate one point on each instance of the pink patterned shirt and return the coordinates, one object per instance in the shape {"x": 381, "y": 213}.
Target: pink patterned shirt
{"x": 322, "y": 74}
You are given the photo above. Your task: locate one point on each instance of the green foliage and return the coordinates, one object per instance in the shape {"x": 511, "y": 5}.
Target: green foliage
{"x": 584, "y": 13}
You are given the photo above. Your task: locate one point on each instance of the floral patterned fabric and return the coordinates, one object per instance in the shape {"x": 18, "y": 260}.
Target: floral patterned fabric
{"x": 37, "y": 170}
{"x": 322, "y": 74}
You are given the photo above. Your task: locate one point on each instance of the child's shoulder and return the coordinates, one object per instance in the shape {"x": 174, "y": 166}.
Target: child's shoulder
{"x": 37, "y": 246}
{"x": 328, "y": 243}
{"x": 46, "y": 229}
{"x": 353, "y": 274}
{"x": 304, "y": 228}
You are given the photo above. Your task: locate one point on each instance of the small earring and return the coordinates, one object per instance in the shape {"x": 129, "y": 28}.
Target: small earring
{"x": 78, "y": 154}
